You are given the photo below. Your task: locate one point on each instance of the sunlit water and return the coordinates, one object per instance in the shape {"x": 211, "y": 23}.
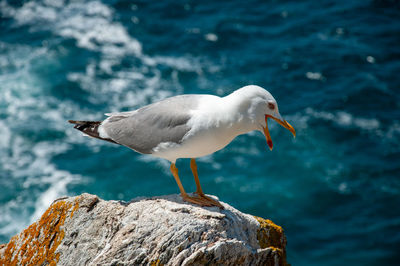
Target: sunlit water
{"x": 333, "y": 67}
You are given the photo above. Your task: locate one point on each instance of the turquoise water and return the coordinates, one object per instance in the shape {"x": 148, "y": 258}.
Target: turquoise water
{"x": 333, "y": 67}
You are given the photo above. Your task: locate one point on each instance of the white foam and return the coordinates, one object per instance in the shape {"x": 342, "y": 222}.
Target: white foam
{"x": 315, "y": 76}
{"x": 57, "y": 181}
{"x": 5, "y": 134}
{"x": 162, "y": 163}
{"x": 343, "y": 187}
{"x": 99, "y": 34}
{"x": 27, "y": 163}
{"x": 345, "y": 119}
{"x": 54, "y": 3}
{"x": 93, "y": 26}
{"x": 32, "y": 12}
{"x": 90, "y": 23}
{"x": 179, "y": 63}
{"x": 209, "y": 160}
{"x": 370, "y": 59}
{"x": 31, "y": 166}
{"x": 394, "y": 130}
{"x": 212, "y": 37}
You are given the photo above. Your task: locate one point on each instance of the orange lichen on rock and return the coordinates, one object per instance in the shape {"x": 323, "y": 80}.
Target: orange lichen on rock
{"x": 156, "y": 263}
{"x": 271, "y": 236}
{"x": 75, "y": 207}
{"x": 37, "y": 244}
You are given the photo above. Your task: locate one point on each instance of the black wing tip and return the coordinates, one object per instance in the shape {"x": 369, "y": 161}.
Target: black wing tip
{"x": 90, "y": 128}
{"x": 78, "y": 122}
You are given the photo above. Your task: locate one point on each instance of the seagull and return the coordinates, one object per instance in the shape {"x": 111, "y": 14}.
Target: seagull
{"x": 189, "y": 126}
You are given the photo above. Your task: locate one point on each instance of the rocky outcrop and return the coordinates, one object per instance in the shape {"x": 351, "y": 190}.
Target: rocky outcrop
{"x": 86, "y": 230}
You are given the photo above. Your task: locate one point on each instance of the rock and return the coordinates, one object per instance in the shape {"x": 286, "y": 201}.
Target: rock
{"x": 86, "y": 230}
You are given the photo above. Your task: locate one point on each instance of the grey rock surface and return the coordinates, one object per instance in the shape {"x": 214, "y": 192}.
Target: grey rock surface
{"x": 86, "y": 230}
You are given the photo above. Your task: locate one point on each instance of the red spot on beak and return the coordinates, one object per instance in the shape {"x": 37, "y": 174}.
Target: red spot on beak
{"x": 270, "y": 145}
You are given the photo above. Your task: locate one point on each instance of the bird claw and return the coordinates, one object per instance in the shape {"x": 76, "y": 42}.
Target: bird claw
{"x": 203, "y": 201}
{"x": 213, "y": 201}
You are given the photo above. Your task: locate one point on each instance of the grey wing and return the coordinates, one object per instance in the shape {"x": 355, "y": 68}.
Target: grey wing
{"x": 145, "y": 128}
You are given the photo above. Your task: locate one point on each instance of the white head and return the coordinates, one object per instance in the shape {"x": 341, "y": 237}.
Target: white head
{"x": 261, "y": 105}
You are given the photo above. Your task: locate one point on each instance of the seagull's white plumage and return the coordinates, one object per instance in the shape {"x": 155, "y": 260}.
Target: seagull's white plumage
{"x": 214, "y": 122}
{"x": 189, "y": 126}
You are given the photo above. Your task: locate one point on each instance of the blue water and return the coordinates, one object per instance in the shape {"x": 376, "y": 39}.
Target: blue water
{"x": 333, "y": 66}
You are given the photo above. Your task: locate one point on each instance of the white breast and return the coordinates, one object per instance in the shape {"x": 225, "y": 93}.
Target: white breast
{"x": 214, "y": 124}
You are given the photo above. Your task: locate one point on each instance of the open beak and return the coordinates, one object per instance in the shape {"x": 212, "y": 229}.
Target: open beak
{"x": 283, "y": 123}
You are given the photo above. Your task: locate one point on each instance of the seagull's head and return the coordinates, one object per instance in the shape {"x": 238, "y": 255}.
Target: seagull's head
{"x": 262, "y": 105}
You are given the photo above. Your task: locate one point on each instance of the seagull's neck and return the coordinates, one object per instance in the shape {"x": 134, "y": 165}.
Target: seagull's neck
{"x": 217, "y": 121}
{"x": 238, "y": 110}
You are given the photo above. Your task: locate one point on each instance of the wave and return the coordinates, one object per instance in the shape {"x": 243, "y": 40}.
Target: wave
{"x": 94, "y": 27}
{"x": 345, "y": 119}
{"x": 354, "y": 146}
{"x": 388, "y": 134}
{"x": 342, "y": 119}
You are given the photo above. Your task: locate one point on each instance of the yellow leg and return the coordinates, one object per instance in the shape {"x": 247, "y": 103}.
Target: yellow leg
{"x": 174, "y": 171}
{"x": 199, "y": 191}
{"x": 203, "y": 200}
{"x": 193, "y": 166}
{"x": 185, "y": 196}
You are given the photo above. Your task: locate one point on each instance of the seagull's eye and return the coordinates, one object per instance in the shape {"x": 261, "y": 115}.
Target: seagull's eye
{"x": 271, "y": 106}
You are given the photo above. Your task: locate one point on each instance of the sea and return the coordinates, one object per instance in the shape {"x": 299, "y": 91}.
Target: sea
{"x": 332, "y": 66}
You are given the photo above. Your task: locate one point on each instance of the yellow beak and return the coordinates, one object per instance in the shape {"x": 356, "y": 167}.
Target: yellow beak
{"x": 283, "y": 123}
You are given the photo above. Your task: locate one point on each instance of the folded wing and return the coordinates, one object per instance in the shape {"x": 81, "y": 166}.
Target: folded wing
{"x": 144, "y": 129}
